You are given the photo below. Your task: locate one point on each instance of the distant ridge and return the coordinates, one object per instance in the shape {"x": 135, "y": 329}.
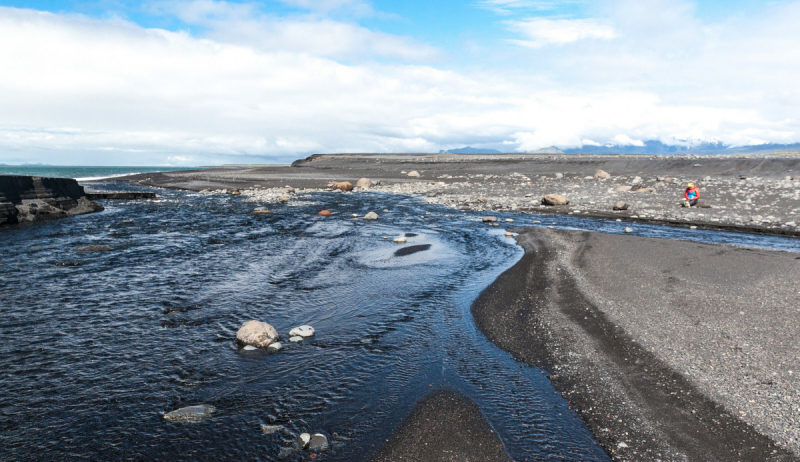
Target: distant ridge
{"x": 471, "y": 150}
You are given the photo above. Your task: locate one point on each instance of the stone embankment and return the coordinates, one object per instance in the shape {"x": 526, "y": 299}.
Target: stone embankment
{"x": 27, "y": 198}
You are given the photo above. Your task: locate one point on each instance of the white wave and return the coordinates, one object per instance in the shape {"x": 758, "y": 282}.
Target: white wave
{"x": 96, "y": 178}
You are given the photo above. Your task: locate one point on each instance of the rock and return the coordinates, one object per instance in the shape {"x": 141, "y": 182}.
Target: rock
{"x": 796, "y": 178}
{"x": 364, "y": 183}
{"x": 703, "y": 205}
{"x": 489, "y": 219}
{"x": 628, "y": 230}
{"x": 414, "y": 174}
{"x": 274, "y": 347}
{"x": 400, "y": 240}
{"x": 559, "y": 175}
{"x": 284, "y": 198}
{"x": 622, "y": 188}
{"x": 289, "y": 190}
{"x": 270, "y": 429}
{"x": 190, "y": 413}
{"x": 645, "y": 190}
{"x": 257, "y": 333}
{"x": 318, "y": 442}
{"x": 302, "y": 331}
{"x": 509, "y": 220}
{"x": 661, "y": 178}
{"x": 325, "y": 213}
{"x": 622, "y": 445}
{"x": 303, "y": 440}
{"x": 509, "y": 234}
{"x": 261, "y": 210}
{"x": 620, "y": 205}
{"x": 636, "y": 180}
{"x": 296, "y": 339}
{"x": 554, "y": 199}
{"x": 235, "y": 192}
{"x": 602, "y": 174}
{"x": 371, "y": 216}
{"x": 94, "y": 248}
{"x": 343, "y": 186}
{"x": 249, "y": 348}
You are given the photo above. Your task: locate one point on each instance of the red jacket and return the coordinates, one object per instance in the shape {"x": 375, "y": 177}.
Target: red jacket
{"x": 694, "y": 191}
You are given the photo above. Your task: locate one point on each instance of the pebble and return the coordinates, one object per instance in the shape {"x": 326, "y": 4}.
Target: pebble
{"x": 303, "y": 440}
{"x": 302, "y": 331}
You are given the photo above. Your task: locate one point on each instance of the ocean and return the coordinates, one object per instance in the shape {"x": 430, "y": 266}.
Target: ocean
{"x": 81, "y": 173}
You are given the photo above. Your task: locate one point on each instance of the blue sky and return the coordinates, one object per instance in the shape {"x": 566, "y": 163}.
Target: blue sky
{"x": 187, "y": 82}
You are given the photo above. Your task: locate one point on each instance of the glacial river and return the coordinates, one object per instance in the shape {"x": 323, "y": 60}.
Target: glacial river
{"x": 98, "y": 346}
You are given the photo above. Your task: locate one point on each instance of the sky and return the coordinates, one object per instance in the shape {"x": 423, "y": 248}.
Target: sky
{"x": 205, "y": 82}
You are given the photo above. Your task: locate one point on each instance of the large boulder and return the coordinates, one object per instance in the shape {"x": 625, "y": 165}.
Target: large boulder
{"x": 601, "y": 174}
{"x": 256, "y": 333}
{"x": 343, "y": 186}
{"x": 364, "y": 183}
{"x": 555, "y": 199}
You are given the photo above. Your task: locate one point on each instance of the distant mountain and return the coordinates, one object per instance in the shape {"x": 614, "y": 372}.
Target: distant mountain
{"x": 550, "y": 150}
{"x": 471, "y": 150}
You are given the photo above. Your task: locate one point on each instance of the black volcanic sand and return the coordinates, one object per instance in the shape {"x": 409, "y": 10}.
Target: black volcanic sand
{"x": 636, "y": 333}
{"x": 747, "y": 193}
{"x": 443, "y": 426}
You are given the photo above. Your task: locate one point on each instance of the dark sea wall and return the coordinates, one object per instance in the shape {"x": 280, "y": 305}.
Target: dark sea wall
{"x": 30, "y": 198}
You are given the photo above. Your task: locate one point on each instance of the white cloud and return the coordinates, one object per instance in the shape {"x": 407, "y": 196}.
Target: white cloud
{"x": 625, "y": 140}
{"x": 540, "y": 31}
{"x": 79, "y": 90}
{"x": 317, "y": 35}
{"x": 509, "y": 6}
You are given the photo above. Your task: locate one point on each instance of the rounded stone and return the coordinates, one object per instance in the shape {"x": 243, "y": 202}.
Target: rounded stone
{"x": 400, "y": 240}
{"x": 256, "y": 333}
{"x": 295, "y": 339}
{"x": 274, "y": 347}
{"x": 371, "y": 216}
{"x": 302, "y": 331}
{"x": 318, "y": 442}
{"x": 303, "y": 440}
{"x": 628, "y": 230}
{"x": 325, "y": 213}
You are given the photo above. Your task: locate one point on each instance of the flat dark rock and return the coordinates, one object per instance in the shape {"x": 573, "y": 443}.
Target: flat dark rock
{"x": 444, "y": 426}
{"x": 412, "y": 249}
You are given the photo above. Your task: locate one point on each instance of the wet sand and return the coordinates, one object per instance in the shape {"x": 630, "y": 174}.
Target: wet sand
{"x": 444, "y": 426}
{"x": 668, "y": 350}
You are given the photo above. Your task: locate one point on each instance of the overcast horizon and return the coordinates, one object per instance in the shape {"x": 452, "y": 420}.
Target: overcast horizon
{"x": 206, "y": 82}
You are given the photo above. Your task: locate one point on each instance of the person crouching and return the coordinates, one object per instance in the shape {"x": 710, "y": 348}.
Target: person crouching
{"x": 691, "y": 196}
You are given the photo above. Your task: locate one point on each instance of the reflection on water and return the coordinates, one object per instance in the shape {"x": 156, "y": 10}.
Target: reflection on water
{"x": 98, "y": 346}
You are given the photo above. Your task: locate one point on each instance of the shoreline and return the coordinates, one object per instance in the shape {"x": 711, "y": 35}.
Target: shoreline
{"x": 641, "y": 395}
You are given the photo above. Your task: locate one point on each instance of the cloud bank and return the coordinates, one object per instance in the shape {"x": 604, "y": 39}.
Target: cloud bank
{"x": 253, "y": 87}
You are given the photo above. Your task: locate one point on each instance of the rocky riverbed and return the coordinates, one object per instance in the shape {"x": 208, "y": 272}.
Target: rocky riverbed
{"x": 758, "y": 193}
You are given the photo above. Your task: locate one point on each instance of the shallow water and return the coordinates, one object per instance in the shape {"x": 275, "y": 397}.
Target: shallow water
{"x": 98, "y": 346}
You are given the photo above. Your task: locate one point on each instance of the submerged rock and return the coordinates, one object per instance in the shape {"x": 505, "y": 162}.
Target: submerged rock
{"x": 249, "y": 348}
{"x": 371, "y": 216}
{"x": 325, "y": 213}
{"x": 190, "y": 413}
{"x": 302, "y": 331}
{"x": 295, "y": 339}
{"x": 270, "y": 429}
{"x": 274, "y": 347}
{"x": 260, "y": 210}
{"x": 628, "y": 230}
{"x": 555, "y": 199}
{"x": 94, "y": 248}
{"x": 256, "y": 333}
{"x": 400, "y": 240}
